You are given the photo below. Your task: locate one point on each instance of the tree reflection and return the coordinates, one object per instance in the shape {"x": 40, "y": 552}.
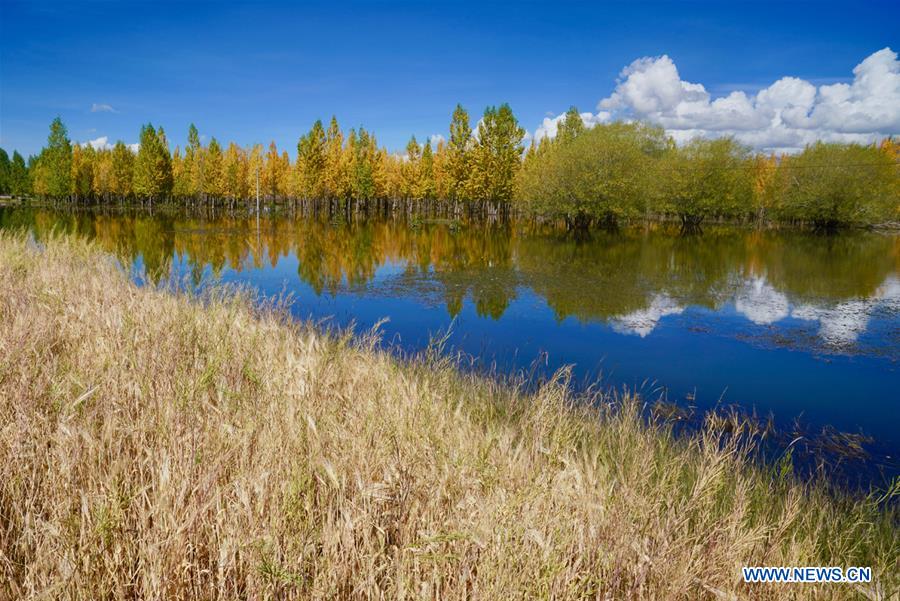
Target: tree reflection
{"x": 628, "y": 278}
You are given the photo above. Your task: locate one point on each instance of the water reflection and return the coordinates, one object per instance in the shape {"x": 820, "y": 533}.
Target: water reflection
{"x": 778, "y": 322}
{"x": 629, "y": 280}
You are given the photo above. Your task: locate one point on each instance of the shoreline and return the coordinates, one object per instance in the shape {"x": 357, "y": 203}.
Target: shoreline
{"x": 174, "y": 444}
{"x": 429, "y": 215}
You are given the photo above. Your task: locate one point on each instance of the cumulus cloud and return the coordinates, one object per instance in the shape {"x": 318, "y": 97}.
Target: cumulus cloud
{"x": 549, "y": 127}
{"x": 786, "y": 115}
{"x": 101, "y": 143}
{"x": 760, "y": 302}
{"x": 436, "y": 139}
{"x": 644, "y": 321}
{"x": 783, "y": 117}
{"x": 842, "y": 324}
{"x": 102, "y": 108}
{"x": 839, "y": 325}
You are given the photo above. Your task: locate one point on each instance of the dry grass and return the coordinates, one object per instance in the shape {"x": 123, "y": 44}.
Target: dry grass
{"x": 157, "y": 446}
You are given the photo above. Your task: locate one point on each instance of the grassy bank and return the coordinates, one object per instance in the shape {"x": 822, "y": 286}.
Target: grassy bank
{"x": 158, "y": 446}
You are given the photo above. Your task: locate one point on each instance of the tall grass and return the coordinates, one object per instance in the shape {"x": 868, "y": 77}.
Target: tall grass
{"x": 158, "y": 446}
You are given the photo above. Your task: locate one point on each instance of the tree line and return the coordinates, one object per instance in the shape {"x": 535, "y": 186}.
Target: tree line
{"x": 474, "y": 169}
{"x": 607, "y": 174}
{"x": 623, "y": 171}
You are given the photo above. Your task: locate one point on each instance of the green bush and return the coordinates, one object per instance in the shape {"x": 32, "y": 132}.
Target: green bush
{"x": 707, "y": 179}
{"x": 838, "y": 184}
{"x": 605, "y": 173}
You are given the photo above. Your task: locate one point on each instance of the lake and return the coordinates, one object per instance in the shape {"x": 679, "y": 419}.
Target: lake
{"x": 797, "y": 325}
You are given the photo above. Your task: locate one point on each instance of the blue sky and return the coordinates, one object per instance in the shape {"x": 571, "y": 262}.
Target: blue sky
{"x": 265, "y": 71}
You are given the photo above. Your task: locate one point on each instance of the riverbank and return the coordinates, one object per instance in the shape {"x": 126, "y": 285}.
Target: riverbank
{"x": 418, "y": 213}
{"x": 160, "y": 446}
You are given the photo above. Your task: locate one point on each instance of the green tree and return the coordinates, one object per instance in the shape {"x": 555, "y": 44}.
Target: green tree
{"x": 122, "y": 170}
{"x": 195, "y": 163}
{"x": 838, "y": 184}
{"x": 363, "y": 166}
{"x": 708, "y": 178}
{"x": 496, "y": 156}
{"x": 19, "y": 184}
{"x": 5, "y": 167}
{"x": 458, "y": 154}
{"x": 165, "y": 160}
{"x": 571, "y": 126}
{"x": 153, "y": 165}
{"x": 56, "y": 160}
{"x": 311, "y": 161}
{"x": 606, "y": 173}
{"x": 193, "y": 140}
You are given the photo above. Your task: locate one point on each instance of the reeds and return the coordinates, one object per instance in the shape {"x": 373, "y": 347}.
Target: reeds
{"x": 155, "y": 445}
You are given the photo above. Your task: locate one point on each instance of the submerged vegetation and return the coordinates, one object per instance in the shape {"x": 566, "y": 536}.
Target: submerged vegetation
{"x": 161, "y": 446}
{"x": 607, "y": 174}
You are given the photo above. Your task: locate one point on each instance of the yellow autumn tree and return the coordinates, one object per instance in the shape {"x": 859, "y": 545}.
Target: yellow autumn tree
{"x": 764, "y": 184}
{"x": 441, "y": 173}
{"x": 283, "y": 179}
{"x": 122, "y": 170}
{"x": 213, "y": 181}
{"x": 255, "y": 169}
{"x": 335, "y": 174}
{"x": 82, "y": 171}
{"x": 891, "y": 148}
{"x": 234, "y": 168}
{"x": 411, "y": 171}
{"x": 102, "y": 174}
{"x": 268, "y": 179}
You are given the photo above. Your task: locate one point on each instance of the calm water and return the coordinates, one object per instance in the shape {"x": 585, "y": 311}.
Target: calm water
{"x": 803, "y": 326}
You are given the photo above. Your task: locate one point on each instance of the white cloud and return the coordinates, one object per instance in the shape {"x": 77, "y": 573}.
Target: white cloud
{"x": 788, "y": 114}
{"x": 101, "y": 143}
{"x": 783, "y": 117}
{"x": 476, "y": 129}
{"x": 842, "y": 324}
{"x": 644, "y": 321}
{"x": 102, "y": 108}
{"x": 549, "y": 127}
{"x": 436, "y": 139}
{"x": 759, "y": 302}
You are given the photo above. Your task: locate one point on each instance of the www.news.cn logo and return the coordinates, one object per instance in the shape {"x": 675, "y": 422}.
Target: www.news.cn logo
{"x": 806, "y": 574}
